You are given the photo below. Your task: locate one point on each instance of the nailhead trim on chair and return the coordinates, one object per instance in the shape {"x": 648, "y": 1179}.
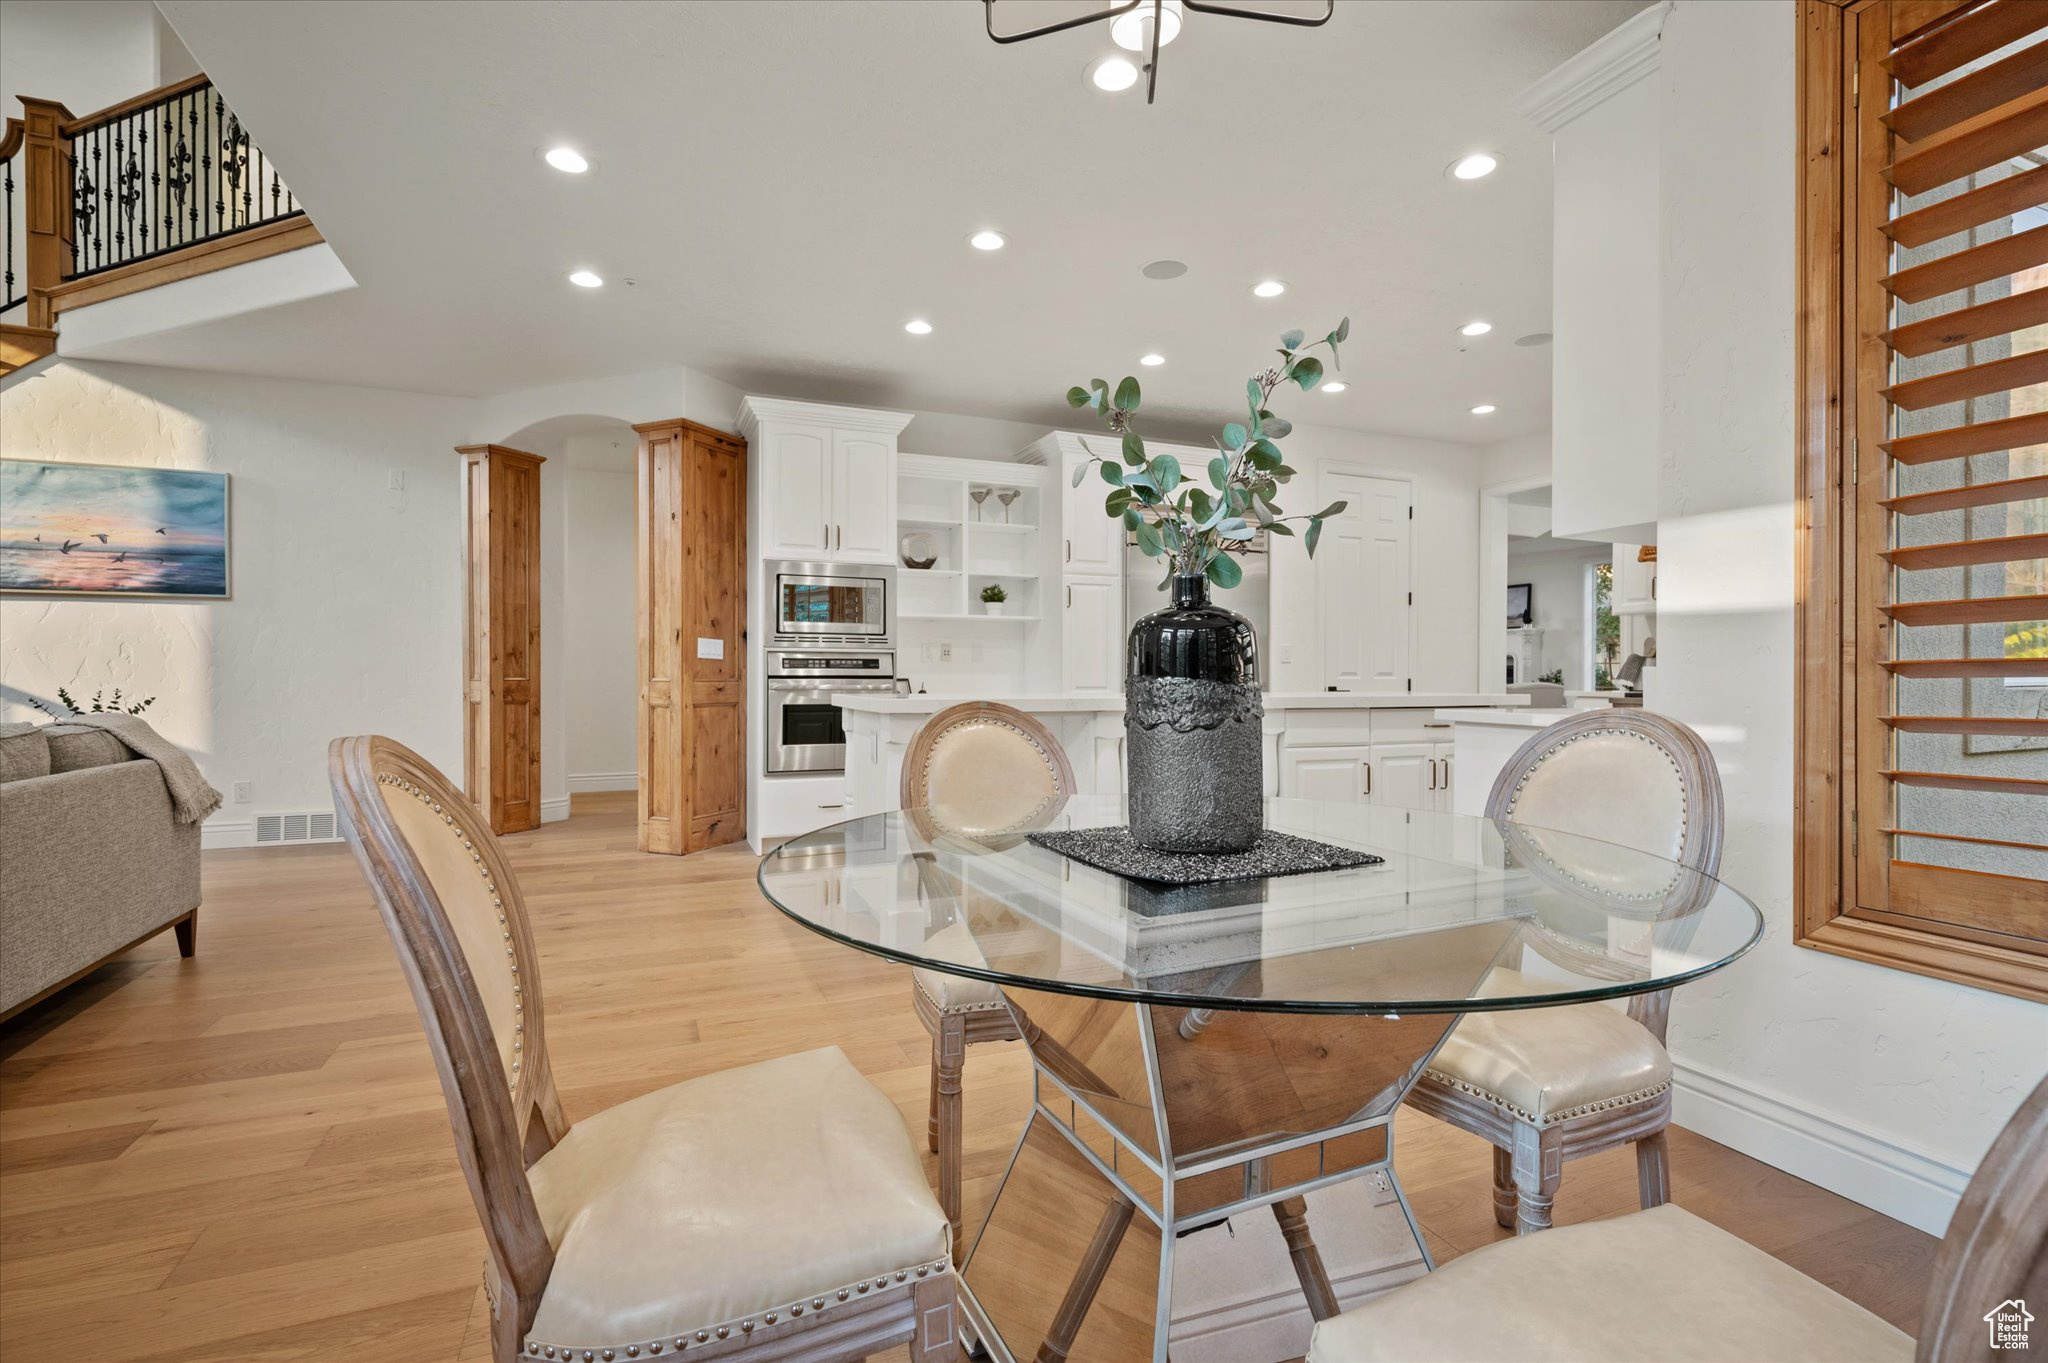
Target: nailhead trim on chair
{"x": 1684, "y": 812}
{"x": 1626, "y": 1100}
{"x": 957, "y": 1008}
{"x": 497, "y": 903}
{"x": 745, "y": 1325}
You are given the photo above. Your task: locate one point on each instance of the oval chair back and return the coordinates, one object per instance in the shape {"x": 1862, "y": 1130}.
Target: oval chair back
{"x": 1995, "y": 1254}
{"x": 985, "y": 768}
{"x": 455, "y": 915}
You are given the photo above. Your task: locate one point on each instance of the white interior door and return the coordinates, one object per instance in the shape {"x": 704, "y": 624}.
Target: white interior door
{"x": 1364, "y": 584}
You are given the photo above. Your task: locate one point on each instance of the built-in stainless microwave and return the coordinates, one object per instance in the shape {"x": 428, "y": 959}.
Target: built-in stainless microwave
{"x": 816, "y": 598}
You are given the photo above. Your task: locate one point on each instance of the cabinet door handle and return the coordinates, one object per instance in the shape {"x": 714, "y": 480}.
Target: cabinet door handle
{"x": 1070, "y": 550}
{"x": 1432, "y": 773}
{"x": 1070, "y": 596}
{"x": 1368, "y": 778}
{"x": 825, "y": 535}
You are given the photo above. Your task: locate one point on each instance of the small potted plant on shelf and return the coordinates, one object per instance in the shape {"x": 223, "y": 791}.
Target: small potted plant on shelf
{"x": 992, "y": 599}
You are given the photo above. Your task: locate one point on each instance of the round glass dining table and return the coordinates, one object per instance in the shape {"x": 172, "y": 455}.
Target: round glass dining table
{"x": 1206, "y": 1050}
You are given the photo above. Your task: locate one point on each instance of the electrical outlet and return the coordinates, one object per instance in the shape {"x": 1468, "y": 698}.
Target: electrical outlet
{"x": 395, "y": 480}
{"x": 945, "y": 653}
{"x": 241, "y": 792}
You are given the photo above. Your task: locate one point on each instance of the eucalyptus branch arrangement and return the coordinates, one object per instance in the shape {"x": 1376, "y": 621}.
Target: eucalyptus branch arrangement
{"x": 101, "y": 704}
{"x": 1195, "y": 527}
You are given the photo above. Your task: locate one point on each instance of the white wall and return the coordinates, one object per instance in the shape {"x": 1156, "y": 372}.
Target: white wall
{"x": 1883, "y": 1085}
{"x": 89, "y": 56}
{"x": 600, "y": 646}
{"x": 1518, "y": 460}
{"x": 346, "y": 607}
{"x": 1556, "y": 570}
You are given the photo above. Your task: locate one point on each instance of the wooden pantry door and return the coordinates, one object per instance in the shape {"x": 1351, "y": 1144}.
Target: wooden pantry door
{"x": 690, "y": 562}
{"x": 501, "y": 634}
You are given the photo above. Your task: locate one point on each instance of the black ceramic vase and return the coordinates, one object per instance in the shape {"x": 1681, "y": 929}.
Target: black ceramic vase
{"x": 1196, "y": 771}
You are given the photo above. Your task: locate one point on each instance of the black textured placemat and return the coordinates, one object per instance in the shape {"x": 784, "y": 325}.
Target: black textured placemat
{"x": 1274, "y": 854}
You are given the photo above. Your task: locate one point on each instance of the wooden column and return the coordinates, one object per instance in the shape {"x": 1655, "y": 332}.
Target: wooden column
{"x": 501, "y": 634}
{"x": 690, "y": 568}
{"x": 46, "y": 189}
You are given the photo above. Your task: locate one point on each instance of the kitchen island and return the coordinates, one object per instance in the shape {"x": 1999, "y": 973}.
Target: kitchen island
{"x": 1483, "y": 741}
{"x": 1366, "y": 749}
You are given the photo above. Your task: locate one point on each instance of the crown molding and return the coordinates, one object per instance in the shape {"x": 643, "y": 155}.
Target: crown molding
{"x": 756, "y": 410}
{"x": 1612, "y": 64}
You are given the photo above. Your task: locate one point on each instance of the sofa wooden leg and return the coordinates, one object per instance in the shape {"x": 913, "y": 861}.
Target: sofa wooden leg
{"x": 187, "y": 929}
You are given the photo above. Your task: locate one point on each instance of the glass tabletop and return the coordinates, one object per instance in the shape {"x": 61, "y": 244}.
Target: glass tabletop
{"x": 1463, "y": 914}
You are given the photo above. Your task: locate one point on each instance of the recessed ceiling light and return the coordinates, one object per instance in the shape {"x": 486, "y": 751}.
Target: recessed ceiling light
{"x": 1475, "y": 328}
{"x": 918, "y": 327}
{"x": 1132, "y": 30}
{"x": 1335, "y": 386}
{"x": 1269, "y": 288}
{"x": 988, "y": 241}
{"x": 567, "y": 159}
{"x": 1163, "y": 269}
{"x": 586, "y": 279}
{"x": 1483, "y": 409}
{"x": 1112, "y": 74}
{"x": 1153, "y": 359}
{"x": 1477, "y": 166}
{"x": 1534, "y": 338}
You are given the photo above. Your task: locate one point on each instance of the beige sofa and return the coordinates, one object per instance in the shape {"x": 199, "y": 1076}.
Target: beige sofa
{"x": 92, "y": 859}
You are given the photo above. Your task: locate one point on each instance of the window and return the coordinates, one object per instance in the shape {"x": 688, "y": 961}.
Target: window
{"x": 1923, "y": 684}
{"x": 1606, "y": 633}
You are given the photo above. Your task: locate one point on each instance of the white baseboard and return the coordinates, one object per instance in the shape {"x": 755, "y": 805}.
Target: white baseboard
{"x": 1906, "y": 1184}
{"x": 593, "y": 782}
{"x": 221, "y": 834}
{"x": 555, "y": 810}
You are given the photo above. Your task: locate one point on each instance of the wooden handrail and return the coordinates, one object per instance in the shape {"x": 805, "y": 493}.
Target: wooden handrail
{"x": 88, "y": 122}
{"x": 10, "y": 142}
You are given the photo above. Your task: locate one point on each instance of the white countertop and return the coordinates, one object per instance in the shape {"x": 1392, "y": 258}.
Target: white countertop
{"x": 1529, "y": 718}
{"x": 882, "y": 703}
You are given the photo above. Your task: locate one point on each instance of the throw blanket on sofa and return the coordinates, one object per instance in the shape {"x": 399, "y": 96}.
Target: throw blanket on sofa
{"x": 191, "y": 797}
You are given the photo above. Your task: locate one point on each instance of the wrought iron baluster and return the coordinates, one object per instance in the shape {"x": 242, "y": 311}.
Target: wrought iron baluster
{"x": 7, "y": 181}
{"x": 141, "y": 184}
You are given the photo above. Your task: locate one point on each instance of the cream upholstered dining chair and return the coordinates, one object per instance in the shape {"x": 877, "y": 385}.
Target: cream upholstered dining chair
{"x": 1546, "y": 1085}
{"x": 778, "y": 1208}
{"x": 979, "y": 770}
{"x": 1665, "y": 1284}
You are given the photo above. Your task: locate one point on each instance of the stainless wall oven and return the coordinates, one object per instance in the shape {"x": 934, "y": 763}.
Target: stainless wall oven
{"x": 804, "y": 729}
{"x": 814, "y": 599}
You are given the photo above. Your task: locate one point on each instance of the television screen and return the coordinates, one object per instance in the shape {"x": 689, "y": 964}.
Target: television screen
{"x": 1521, "y": 602}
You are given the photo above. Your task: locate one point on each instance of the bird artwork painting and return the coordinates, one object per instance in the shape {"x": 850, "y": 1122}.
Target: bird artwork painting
{"x": 74, "y": 529}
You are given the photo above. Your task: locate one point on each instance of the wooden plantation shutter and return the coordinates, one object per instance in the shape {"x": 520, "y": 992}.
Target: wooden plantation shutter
{"x": 1928, "y": 548}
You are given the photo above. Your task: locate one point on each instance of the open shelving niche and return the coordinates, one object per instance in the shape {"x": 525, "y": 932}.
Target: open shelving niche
{"x": 932, "y": 497}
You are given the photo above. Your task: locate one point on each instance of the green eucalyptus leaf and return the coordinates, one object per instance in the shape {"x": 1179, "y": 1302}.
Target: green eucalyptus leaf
{"x": 1132, "y": 520}
{"x": 1333, "y": 509}
{"x": 1127, "y": 393}
{"x": 1280, "y": 528}
{"x": 1343, "y": 331}
{"x": 1080, "y": 472}
{"x": 1264, "y": 455}
{"x": 1111, "y": 474}
{"x": 1283, "y": 473}
{"x": 1098, "y": 394}
{"x": 1134, "y": 450}
{"x": 1315, "y": 532}
{"x": 1260, "y": 511}
{"x": 1166, "y": 472}
{"x": 1307, "y": 371}
{"x": 1234, "y": 437}
{"x": 1277, "y": 428}
{"x": 1115, "y": 503}
{"x": 1148, "y": 540}
{"x": 1219, "y": 471}
{"x": 1077, "y": 397}
{"x": 1292, "y": 340}
{"x": 1224, "y": 570}
{"x": 1234, "y": 528}
{"x": 1200, "y": 504}
{"x": 1253, "y": 396}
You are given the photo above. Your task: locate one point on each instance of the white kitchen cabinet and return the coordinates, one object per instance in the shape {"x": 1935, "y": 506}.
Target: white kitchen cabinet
{"x": 1092, "y": 636}
{"x": 1440, "y": 776}
{"x": 1635, "y": 583}
{"x": 1093, "y": 543}
{"x": 1337, "y": 775}
{"x": 1401, "y": 776}
{"x": 823, "y": 480}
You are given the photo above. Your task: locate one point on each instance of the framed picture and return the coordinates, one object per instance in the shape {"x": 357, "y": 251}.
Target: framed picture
{"x": 1521, "y": 603}
{"x": 112, "y": 530}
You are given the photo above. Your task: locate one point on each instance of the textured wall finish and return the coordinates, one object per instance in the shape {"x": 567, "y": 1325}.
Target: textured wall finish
{"x": 346, "y": 609}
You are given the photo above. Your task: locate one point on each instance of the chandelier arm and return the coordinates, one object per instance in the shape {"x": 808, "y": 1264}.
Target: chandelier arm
{"x": 988, "y": 13}
{"x": 1152, "y": 67}
{"x": 1299, "y": 20}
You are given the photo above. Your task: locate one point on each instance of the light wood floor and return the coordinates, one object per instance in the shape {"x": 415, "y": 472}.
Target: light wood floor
{"x": 244, "y": 1157}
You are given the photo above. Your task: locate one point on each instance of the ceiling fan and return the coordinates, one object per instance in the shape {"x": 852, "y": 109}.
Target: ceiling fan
{"x": 1137, "y": 25}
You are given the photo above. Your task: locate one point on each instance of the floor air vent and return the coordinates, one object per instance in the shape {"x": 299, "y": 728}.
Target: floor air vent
{"x": 283, "y": 828}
